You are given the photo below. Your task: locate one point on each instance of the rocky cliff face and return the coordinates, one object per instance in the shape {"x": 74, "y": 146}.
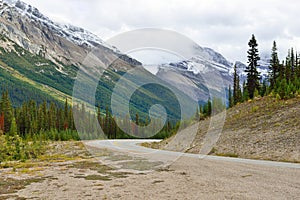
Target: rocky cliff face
{"x": 35, "y": 32}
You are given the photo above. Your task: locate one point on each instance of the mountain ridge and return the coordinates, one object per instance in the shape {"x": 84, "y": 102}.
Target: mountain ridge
{"x": 35, "y": 32}
{"x": 67, "y": 46}
{"x": 35, "y": 55}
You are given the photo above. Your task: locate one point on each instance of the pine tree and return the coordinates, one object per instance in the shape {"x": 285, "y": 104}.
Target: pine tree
{"x": 245, "y": 92}
{"x": 1, "y": 123}
{"x": 6, "y": 109}
{"x": 237, "y": 93}
{"x": 201, "y": 112}
{"x": 52, "y": 115}
{"x": 197, "y": 116}
{"x": 209, "y": 107}
{"x": 106, "y": 122}
{"x": 13, "y": 128}
{"x": 281, "y": 71}
{"x": 137, "y": 123}
{"x": 251, "y": 69}
{"x": 274, "y": 66}
{"x": 110, "y": 126}
{"x": 263, "y": 89}
{"x": 297, "y": 66}
{"x": 66, "y": 115}
{"x": 230, "y": 100}
{"x": 288, "y": 67}
{"x": 99, "y": 114}
{"x": 292, "y": 63}
{"x": 114, "y": 128}
{"x": 71, "y": 120}
{"x": 239, "y": 96}
{"x": 45, "y": 117}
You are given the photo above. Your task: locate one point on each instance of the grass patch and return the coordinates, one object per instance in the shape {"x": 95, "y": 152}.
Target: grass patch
{"x": 153, "y": 145}
{"x": 213, "y": 150}
{"x": 56, "y": 152}
{"x": 95, "y": 177}
{"x": 232, "y": 155}
{"x": 157, "y": 181}
{"x": 56, "y": 158}
{"x": 95, "y": 166}
{"x": 96, "y": 152}
{"x": 16, "y": 197}
{"x": 140, "y": 165}
{"x": 119, "y": 157}
{"x": 8, "y": 186}
{"x": 120, "y": 174}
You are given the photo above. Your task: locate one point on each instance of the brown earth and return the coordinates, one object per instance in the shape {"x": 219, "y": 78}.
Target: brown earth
{"x": 264, "y": 128}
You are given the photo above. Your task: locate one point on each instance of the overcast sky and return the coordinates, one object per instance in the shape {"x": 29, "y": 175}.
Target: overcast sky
{"x": 225, "y": 26}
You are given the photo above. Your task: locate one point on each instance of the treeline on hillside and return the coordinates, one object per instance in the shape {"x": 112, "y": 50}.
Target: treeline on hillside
{"x": 51, "y": 121}
{"x": 283, "y": 80}
{"x": 25, "y": 130}
{"x": 47, "y": 122}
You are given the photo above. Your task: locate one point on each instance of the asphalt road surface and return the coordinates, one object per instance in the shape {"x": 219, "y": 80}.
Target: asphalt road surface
{"x": 132, "y": 147}
{"x": 192, "y": 176}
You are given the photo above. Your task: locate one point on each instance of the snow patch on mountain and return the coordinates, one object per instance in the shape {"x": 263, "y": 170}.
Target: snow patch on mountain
{"x": 72, "y": 33}
{"x": 204, "y": 68}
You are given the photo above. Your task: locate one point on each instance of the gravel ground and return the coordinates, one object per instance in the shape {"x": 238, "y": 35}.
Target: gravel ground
{"x": 126, "y": 176}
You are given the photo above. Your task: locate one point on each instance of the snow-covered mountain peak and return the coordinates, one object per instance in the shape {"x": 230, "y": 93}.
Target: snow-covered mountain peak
{"x": 9, "y": 2}
{"x": 25, "y": 9}
{"x": 74, "y": 34}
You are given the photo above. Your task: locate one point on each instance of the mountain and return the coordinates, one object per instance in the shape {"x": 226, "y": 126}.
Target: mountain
{"x": 40, "y": 59}
{"x": 42, "y": 53}
{"x": 36, "y": 33}
{"x": 203, "y": 75}
{"x": 194, "y": 75}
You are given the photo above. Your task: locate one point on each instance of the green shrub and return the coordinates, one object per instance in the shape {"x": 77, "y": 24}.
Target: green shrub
{"x": 16, "y": 148}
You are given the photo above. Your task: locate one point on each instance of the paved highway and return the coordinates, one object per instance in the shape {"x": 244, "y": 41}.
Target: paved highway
{"x": 132, "y": 147}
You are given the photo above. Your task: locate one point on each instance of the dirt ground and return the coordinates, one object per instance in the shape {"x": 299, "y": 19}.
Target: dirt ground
{"x": 263, "y": 129}
{"x": 70, "y": 172}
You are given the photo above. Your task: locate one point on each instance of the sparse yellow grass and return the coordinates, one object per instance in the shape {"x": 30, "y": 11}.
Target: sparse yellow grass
{"x": 264, "y": 128}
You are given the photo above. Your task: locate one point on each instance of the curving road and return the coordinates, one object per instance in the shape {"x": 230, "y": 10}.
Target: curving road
{"x": 132, "y": 147}
{"x": 191, "y": 176}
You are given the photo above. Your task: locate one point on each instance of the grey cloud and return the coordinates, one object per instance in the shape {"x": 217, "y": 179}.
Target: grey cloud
{"x": 223, "y": 25}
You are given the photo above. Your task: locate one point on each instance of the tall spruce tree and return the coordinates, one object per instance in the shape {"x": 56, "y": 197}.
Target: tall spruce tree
{"x": 251, "y": 69}
{"x": 13, "y": 128}
{"x": 7, "y": 110}
{"x": 230, "y": 100}
{"x": 274, "y": 66}
{"x": 245, "y": 95}
{"x": 237, "y": 93}
{"x": 288, "y": 67}
{"x": 137, "y": 122}
{"x": 297, "y": 66}
{"x": 106, "y": 122}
